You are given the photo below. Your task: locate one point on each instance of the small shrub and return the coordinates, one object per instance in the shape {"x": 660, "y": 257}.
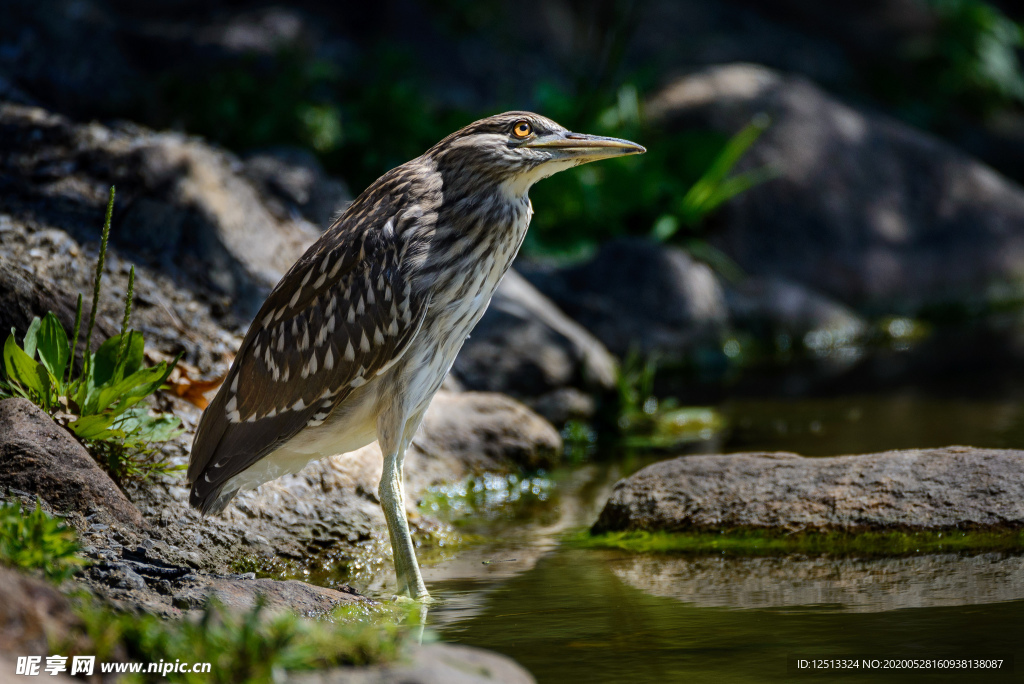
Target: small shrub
{"x": 34, "y": 540}
{"x": 101, "y": 404}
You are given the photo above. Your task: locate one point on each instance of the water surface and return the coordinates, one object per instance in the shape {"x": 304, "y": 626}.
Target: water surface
{"x": 570, "y": 614}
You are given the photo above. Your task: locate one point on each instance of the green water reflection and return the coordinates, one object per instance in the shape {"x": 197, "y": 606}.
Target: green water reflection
{"x": 571, "y": 619}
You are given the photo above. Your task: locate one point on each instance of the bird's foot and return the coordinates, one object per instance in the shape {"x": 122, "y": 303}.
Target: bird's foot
{"x": 423, "y": 599}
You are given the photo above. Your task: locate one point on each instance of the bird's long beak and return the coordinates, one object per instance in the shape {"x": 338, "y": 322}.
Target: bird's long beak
{"x": 587, "y": 147}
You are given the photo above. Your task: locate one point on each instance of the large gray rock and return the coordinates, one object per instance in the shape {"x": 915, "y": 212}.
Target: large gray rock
{"x": 241, "y": 595}
{"x": 526, "y": 347}
{"x": 40, "y": 458}
{"x": 638, "y": 295}
{"x": 25, "y": 295}
{"x": 433, "y": 664}
{"x": 918, "y": 489}
{"x": 483, "y": 431}
{"x": 865, "y": 209}
{"x": 180, "y": 200}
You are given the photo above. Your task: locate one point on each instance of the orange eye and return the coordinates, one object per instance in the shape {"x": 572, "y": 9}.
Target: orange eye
{"x": 522, "y": 129}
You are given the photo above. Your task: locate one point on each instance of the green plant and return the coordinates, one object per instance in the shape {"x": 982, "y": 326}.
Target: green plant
{"x": 360, "y": 122}
{"x": 34, "y": 540}
{"x": 965, "y": 67}
{"x": 579, "y": 441}
{"x": 974, "y": 53}
{"x": 716, "y": 185}
{"x": 257, "y": 102}
{"x": 647, "y": 422}
{"x": 667, "y": 193}
{"x": 100, "y": 405}
{"x": 253, "y": 646}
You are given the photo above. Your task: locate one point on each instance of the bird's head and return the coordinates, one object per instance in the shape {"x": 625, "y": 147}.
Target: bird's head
{"x": 517, "y": 149}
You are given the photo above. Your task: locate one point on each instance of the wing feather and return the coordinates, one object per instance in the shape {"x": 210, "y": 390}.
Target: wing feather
{"x": 345, "y": 311}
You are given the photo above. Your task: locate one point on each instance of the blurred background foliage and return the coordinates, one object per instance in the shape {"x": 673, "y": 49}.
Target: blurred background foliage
{"x": 361, "y": 126}
{"x": 378, "y": 107}
{"x": 969, "y": 67}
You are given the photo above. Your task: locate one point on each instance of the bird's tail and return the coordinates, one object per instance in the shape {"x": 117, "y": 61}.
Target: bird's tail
{"x": 212, "y": 502}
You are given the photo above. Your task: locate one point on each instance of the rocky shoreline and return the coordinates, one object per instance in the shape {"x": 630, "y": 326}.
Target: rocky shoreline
{"x": 867, "y": 232}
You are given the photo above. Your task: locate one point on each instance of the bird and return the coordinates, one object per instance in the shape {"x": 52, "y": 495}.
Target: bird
{"x": 359, "y": 334}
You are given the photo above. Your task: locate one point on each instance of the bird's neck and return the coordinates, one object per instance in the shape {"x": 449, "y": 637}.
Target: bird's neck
{"x": 477, "y": 236}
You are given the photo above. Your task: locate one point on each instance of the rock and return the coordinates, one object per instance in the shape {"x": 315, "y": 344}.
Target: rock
{"x": 241, "y": 595}
{"x": 24, "y": 296}
{"x": 484, "y": 431}
{"x": 291, "y": 181}
{"x": 41, "y": 458}
{"x": 32, "y": 614}
{"x": 867, "y": 210}
{"x": 640, "y": 296}
{"x": 524, "y": 346}
{"x": 431, "y": 664}
{"x": 194, "y": 204}
{"x": 143, "y": 579}
{"x": 180, "y": 200}
{"x": 860, "y": 585}
{"x": 772, "y": 306}
{"x": 918, "y": 489}
{"x": 562, "y": 405}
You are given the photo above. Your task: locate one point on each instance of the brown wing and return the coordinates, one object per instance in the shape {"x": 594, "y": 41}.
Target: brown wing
{"x": 344, "y": 313}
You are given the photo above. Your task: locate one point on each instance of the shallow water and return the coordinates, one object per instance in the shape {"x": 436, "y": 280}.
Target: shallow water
{"x": 570, "y": 614}
{"x": 572, "y": 618}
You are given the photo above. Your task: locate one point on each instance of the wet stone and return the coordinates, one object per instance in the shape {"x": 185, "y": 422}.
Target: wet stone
{"x": 913, "y": 490}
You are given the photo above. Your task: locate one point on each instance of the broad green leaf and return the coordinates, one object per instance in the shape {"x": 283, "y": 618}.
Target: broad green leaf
{"x": 127, "y": 391}
{"x": 104, "y": 362}
{"x": 23, "y": 369}
{"x": 104, "y": 371}
{"x": 145, "y": 428}
{"x": 159, "y": 428}
{"x": 131, "y": 360}
{"x": 53, "y": 346}
{"x": 93, "y": 427}
{"x": 31, "y": 336}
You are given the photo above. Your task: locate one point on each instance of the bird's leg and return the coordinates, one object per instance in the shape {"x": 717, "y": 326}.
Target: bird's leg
{"x": 392, "y": 501}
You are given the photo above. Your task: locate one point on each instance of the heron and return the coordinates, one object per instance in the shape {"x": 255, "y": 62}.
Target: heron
{"x": 358, "y": 336}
